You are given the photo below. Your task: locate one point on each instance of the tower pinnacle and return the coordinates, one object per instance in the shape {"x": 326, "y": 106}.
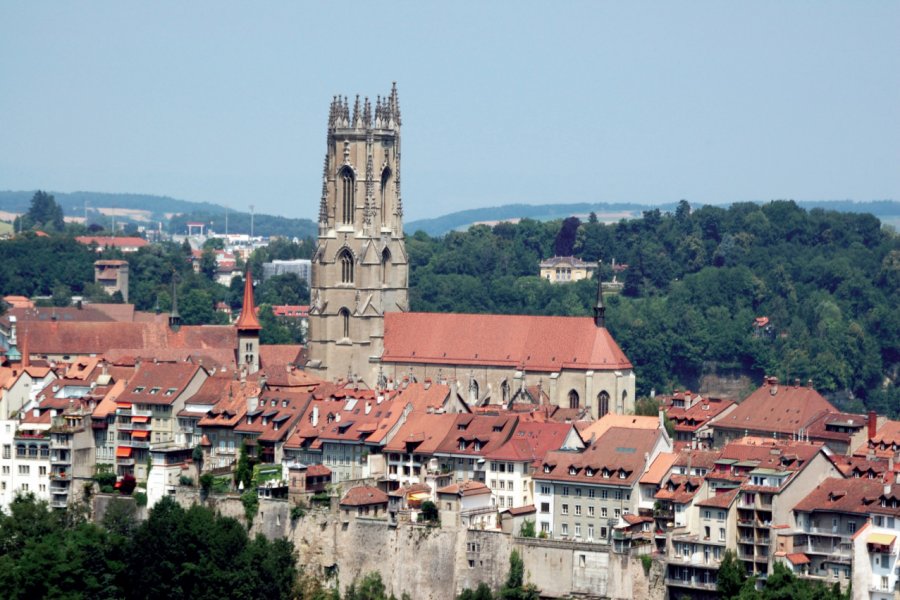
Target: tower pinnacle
{"x": 599, "y": 308}
{"x": 248, "y": 320}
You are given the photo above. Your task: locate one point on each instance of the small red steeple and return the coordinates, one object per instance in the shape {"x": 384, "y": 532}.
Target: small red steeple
{"x": 248, "y": 318}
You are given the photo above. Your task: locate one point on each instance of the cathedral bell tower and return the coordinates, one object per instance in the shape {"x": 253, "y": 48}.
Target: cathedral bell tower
{"x": 360, "y": 268}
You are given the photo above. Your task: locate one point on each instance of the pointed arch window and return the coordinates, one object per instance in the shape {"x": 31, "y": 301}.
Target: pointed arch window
{"x": 385, "y": 186}
{"x": 602, "y": 403}
{"x": 621, "y": 407}
{"x": 344, "y": 314}
{"x": 385, "y": 266}
{"x": 573, "y": 399}
{"x": 345, "y": 260}
{"x": 348, "y": 195}
{"x": 473, "y": 391}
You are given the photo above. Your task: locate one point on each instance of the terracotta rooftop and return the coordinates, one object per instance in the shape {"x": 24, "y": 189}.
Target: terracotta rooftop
{"x": 477, "y": 435}
{"x": 888, "y": 434}
{"x": 679, "y": 489}
{"x": 422, "y": 433}
{"x": 465, "y": 489}
{"x": 777, "y": 408}
{"x": 659, "y": 468}
{"x": 425, "y": 396}
{"x": 112, "y": 241}
{"x": 531, "y": 441}
{"x": 610, "y": 420}
{"x": 364, "y": 495}
{"x": 722, "y": 499}
{"x": 159, "y": 383}
{"x": 276, "y": 414}
{"x": 535, "y": 343}
{"x": 248, "y": 320}
{"x": 855, "y": 496}
{"x": 615, "y": 459}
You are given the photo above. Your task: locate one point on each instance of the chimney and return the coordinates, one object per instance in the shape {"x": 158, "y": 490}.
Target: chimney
{"x": 36, "y": 412}
{"x": 873, "y": 424}
{"x": 368, "y": 407}
{"x": 662, "y": 419}
{"x": 314, "y": 418}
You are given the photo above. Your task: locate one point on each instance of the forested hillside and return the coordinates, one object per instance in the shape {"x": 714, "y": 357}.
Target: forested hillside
{"x": 828, "y": 282}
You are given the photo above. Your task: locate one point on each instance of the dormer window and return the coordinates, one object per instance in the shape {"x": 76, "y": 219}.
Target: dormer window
{"x": 249, "y": 420}
{"x": 274, "y": 402}
{"x": 573, "y": 471}
{"x": 476, "y": 446}
{"x": 154, "y": 391}
{"x": 546, "y": 468}
{"x": 139, "y": 389}
{"x": 171, "y": 391}
{"x": 284, "y": 403}
{"x": 605, "y": 473}
{"x": 589, "y": 472}
{"x": 462, "y": 444}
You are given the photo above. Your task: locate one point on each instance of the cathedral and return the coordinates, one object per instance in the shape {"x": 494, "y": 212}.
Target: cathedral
{"x": 360, "y": 326}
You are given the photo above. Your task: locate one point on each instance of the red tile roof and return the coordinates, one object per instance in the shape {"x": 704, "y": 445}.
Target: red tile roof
{"x": 364, "y": 495}
{"x": 889, "y": 433}
{"x": 423, "y": 432}
{"x": 798, "y": 558}
{"x": 275, "y": 416}
{"x": 167, "y": 379}
{"x": 776, "y": 408}
{"x": 465, "y": 489}
{"x": 112, "y": 241}
{"x": 680, "y": 489}
{"x": 721, "y": 499}
{"x": 532, "y": 342}
{"x": 659, "y": 468}
{"x": 486, "y": 433}
{"x": 531, "y": 441}
{"x": 425, "y": 396}
{"x": 699, "y": 414}
{"x": 618, "y": 453}
{"x": 855, "y": 496}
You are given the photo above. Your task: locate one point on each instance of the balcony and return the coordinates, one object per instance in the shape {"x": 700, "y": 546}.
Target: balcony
{"x": 60, "y": 444}
{"x": 140, "y": 413}
{"x": 58, "y": 502}
{"x": 59, "y": 476}
{"x": 690, "y": 582}
{"x": 60, "y": 459}
{"x": 135, "y": 443}
{"x": 57, "y": 489}
{"x": 133, "y": 426}
{"x": 125, "y": 462}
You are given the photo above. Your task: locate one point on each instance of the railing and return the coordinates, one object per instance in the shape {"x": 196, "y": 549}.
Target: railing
{"x": 141, "y": 413}
{"x": 693, "y": 582}
{"x": 125, "y": 461}
{"x": 56, "y": 459}
{"x": 133, "y": 426}
{"x": 135, "y": 444}
{"x": 58, "y": 502}
{"x": 56, "y": 444}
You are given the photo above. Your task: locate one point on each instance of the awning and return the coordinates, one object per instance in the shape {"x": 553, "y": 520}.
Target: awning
{"x": 141, "y": 419}
{"x": 123, "y": 452}
{"x": 123, "y": 405}
{"x": 882, "y": 539}
{"x": 140, "y": 435}
{"x": 420, "y": 496}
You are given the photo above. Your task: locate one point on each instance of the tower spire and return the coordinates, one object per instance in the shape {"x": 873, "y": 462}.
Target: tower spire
{"x": 599, "y": 309}
{"x": 248, "y": 318}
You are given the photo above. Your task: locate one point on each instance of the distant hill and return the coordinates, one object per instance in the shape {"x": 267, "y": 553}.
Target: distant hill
{"x": 149, "y": 210}
{"x": 888, "y": 211}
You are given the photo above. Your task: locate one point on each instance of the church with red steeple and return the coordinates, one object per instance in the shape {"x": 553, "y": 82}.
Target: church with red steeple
{"x": 248, "y": 328}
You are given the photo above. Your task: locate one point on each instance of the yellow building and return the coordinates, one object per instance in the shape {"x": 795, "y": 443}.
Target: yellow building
{"x": 562, "y": 269}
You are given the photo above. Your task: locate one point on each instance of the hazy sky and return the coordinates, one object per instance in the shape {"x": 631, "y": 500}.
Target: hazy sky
{"x": 502, "y": 101}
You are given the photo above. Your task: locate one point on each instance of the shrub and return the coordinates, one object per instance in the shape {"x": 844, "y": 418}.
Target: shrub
{"x": 528, "y": 529}
{"x": 429, "y": 512}
{"x": 127, "y": 484}
{"x": 207, "y": 480}
{"x": 140, "y": 498}
{"x": 105, "y": 478}
{"x": 297, "y": 512}
{"x": 251, "y": 506}
{"x": 185, "y": 480}
{"x": 647, "y": 561}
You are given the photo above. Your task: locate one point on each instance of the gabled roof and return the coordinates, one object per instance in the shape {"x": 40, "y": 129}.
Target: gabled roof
{"x": 481, "y": 434}
{"x": 531, "y": 441}
{"x": 617, "y": 458}
{"x": 465, "y": 489}
{"x": 275, "y": 415}
{"x": 777, "y": 408}
{"x": 425, "y": 396}
{"x": 680, "y": 489}
{"x": 722, "y": 499}
{"x": 113, "y": 241}
{"x": 532, "y": 342}
{"x": 364, "y": 495}
{"x": 889, "y": 433}
{"x": 854, "y": 496}
{"x": 159, "y": 383}
{"x": 423, "y": 431}
{"x": 659, "y": 468}
{"x": 610, "y": 420}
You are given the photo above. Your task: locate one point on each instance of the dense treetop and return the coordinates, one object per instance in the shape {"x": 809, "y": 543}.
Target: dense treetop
{"x": 694, "y": 283}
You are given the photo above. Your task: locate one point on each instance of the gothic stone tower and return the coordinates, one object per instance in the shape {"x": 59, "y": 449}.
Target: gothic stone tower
{"x": 360, "y": 269}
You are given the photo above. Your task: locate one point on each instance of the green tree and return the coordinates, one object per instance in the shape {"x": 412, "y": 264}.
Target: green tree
{"x": 515, "y": 587}
{"x": 731, "y": 576}
{"x": 482, "y": 592}
{"x": 62, "y": 295}
{"x": 45, "y": 213}
{"x": 243, "y": 474}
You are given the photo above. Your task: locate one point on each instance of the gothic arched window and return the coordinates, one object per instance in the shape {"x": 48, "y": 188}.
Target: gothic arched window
{"x": 573, "y": 399}
{"x": 348, "y": 193}
{"x": 504, "y": 391}
{"x": 621, "y": 407}
{"x": 345, "y": 259}
{"x": 345, "y": 322}
{"x": 473, "y": 391}
{"x": 385, "y": 265}
{"x": 385, "y": 186}
{"x": 602, "y": 403}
